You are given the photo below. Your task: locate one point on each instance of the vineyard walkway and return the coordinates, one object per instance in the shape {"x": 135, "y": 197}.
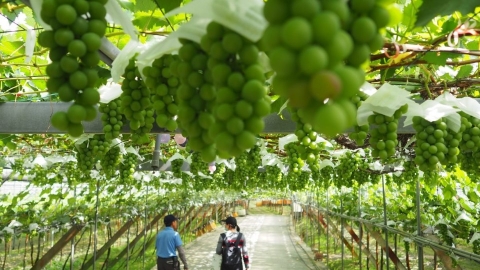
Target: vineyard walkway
{"x": 272, "y": 244}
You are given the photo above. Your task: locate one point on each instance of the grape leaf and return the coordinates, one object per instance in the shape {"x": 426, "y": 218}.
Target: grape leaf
{"x": 145, "y": 5}
{"x": 438, "y": 58}
{"x": 464, "y": 71}
{"x": 168, "y": 5}
{"x": 432, "y": 8}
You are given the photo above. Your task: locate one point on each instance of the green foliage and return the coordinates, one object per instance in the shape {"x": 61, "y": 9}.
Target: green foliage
{"x": 432, "y": 8}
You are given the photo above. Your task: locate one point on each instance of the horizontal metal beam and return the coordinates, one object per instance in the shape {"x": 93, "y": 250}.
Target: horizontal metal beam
{"x": 34, "y": 118}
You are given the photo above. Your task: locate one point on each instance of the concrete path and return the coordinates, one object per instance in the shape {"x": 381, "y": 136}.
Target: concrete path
{"x": 271, "y": 242}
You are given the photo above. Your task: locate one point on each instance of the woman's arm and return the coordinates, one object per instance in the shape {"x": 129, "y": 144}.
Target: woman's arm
{"x": 219, "y": 245}
{"x": 246, "y": 259}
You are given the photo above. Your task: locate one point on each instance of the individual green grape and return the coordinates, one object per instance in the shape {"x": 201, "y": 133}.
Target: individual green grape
{"x": 136, "y": 104}
{"x": 112, "y": 118}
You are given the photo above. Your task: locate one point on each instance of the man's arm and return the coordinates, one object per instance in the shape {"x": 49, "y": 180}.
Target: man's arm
{"x": 181, "y": 254}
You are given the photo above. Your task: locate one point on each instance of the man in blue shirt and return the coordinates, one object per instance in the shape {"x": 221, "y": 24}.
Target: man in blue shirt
{"x": 167, "y": 243}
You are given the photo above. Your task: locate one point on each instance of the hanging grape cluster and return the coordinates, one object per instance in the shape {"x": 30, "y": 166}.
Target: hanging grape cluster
{"x": 136, "y": 104}
{"x": 435, "y": 143}
{"x": 469, "y": 162}
{"x": 347, "y": 165}
{"x": 196, "y": 96}
{"x": 39, "y": 175}
{"x": 316, "y": 49}
{"x": 294, "y": 160}
{"x": 299, "y": 182}
{"x": 471, "y": 135}
{"x": 127, "y": 168}
{"x": 328, "y": 174}
{"x": 445, "y": 235}
{"x": 77, "y": 30}
{"x": 254, "y": 161}
{"x": 91, "y": 151}
{"x": 274, "y": 177}
{"x": 241, "y": 96}
{"x": 476, "y": 246}
{"x": 163, "y": 85}
{"x": 176, "y": 165}
{"x": 112, "y": 118}
{"x": 308, "y": 148}
{"x": 242, "y": 167}
{"x": 362, "y": 173}
{"x": 111, "y": 161}
{"x": 197, "y": 164}
{"x": 72, "y": 173}
{"x": 383, "y": 137}
{"x": 359, "y": 133}
{"x": 463, "y": 228}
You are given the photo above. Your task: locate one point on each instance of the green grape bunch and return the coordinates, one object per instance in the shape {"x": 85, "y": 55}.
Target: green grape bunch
{"x": 435, "y": 143}
{"x": 444, "y": 234}
{"x": 383, "y": 136}
{"x": 254, "y": 161}
{"x": 476, "y": 246}
{"x": 348, "y": 164}
{"x": 471, "y": 135}
{"x": 112, "y": 118}
{"x": 463, "y": 228}
{"x": 359, "y": 133}
{"x": 177, "y": 167}
{"x": 242, "y": 167}
{"x": 127, "y": 168}
{"x": 111, "y": 161}
{"x": 241, "y": 99}
{"x": 295, "y": 162}
{"x": 77, "y": 29}
{"x": 195, "y": 97}
{"x": 197, "y": 164}
{"x": 316, "y": 49}
{"x": 136, "y": 104}
{"x": 163, "y": 85}
{"x": 91, "y": 151}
